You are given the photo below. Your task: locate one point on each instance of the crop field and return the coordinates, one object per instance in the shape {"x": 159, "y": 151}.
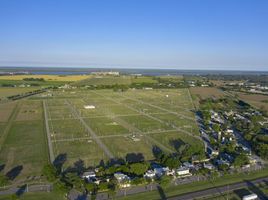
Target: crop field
{"x": 67, "y": 78}
{"x": 120, "y": 125}
{"x": 257, "y": 100}
{"x": 6, "y": 110}
{"x": 112, "y": 80}
{"x": 24, "y": 148}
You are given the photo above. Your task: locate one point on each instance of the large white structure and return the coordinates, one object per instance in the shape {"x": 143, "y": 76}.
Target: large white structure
{"x": 183, "y": 171}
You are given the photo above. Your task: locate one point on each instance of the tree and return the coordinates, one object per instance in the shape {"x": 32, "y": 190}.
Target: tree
{"x": 50, "y": 172}
{"x": 172, "y": 162}
{"x": 3, "y": 180}
{"x": 139, "y": 168}
{"x": 241, "y": 160}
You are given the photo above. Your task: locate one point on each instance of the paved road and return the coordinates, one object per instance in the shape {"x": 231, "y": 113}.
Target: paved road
{"x": 50, "y": 146}
{"x": 92, "y": 133}
{"x": 26, "y": 188}
{"x": 222, "y": 190}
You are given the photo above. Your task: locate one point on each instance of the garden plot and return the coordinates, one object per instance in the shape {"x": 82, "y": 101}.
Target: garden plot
{"x": 144, "y": 123}
{"x": 122, "y": 146}
{"x": 30, "y": 110}
{"x": 6, "y": 110}
{"x": 67, "y": 129}
{"x": 177, "y": 140}
{"x": 106, "y": 126}
{"x": 86, "y": 150}
{"x": 25, "y": 147}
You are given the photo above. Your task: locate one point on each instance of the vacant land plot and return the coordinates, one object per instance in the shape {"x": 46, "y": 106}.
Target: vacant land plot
{"x": 123, "y": 123}
{"x": 257, "y": 100}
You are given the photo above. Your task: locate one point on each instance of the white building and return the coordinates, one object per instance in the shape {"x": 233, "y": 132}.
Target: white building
{"x": 183, "y": 171}
{"x": 150, "y": 174}
{"x": 89, "y": 175}
{"x": 89, "y": 107}
{"x": 122, "y": 179}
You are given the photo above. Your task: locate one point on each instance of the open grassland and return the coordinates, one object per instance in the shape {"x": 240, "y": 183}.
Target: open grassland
{"x": 125, "y": 123}
{"x": 67, "y": 78}
{"x": 257, "y": 100}
{"x": 10, "y": 91}
{"x": 24, "y": 147}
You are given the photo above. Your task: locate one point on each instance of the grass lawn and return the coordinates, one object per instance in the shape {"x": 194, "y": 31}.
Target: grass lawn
{"x": 67, "y": 128}
{"x": 25, "y": 145}
{"x": 86, "y": 150}
{"x": 177, "y": 140}
{"x": 106, "y": 126}
{"x": 121, "y": 146}
{"x": 144, "y": 123}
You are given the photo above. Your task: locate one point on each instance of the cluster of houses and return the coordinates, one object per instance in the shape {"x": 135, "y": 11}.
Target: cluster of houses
{"x": 155, "y": 172}
{"x": 227, "y": 136}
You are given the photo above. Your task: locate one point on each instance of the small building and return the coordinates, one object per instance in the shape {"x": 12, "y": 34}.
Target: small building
{"x": 122, "y": 179}
{"x": 89, "y": 175}
{"x": 89, "y": 107}
{"x": 183, "y": 171}
{"x": 150, "y": 174}
{"x": 208, "y": 166}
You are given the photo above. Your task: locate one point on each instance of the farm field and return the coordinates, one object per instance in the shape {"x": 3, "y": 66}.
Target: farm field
{"x": 120, "y": 125}
{"x": 112, "y": 80}
{"x": 257, "y": 100}
{"x": 24, "y": 148}
{"x": 67, "y": 78}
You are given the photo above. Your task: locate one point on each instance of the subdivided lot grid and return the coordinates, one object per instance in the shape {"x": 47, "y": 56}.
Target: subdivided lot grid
{"x": 119, "y": 124}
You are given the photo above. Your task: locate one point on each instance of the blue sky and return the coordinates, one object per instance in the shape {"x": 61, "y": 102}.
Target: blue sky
{"x": 183, "y": 34}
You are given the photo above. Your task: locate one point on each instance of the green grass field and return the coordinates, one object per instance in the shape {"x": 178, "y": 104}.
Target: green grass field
{"x": 115, "y": 119}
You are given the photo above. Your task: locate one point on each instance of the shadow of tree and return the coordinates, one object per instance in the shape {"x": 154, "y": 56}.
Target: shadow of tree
{"x": 81, "y": 197}
{"x": 177, "y": 144}
{"x": 59, "y": 161}
{"x": 134, "y": 157}
{"x": 21, "y": 190}
{"x": 13, "y": 173}
{"x": 161, "y": 192}
{"x": 2, "y": 167}
{"x": 157, "y": 151}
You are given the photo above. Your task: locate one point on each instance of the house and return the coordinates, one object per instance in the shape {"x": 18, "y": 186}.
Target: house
{"x": 150, "y": 174}
{"x": 208, "y": 166}
{"x": 188, "y": 165}
{"x": 183, "y": 171}
{"x": 122, "y": 179}
{"x": 159, "y": 170}
{"x": 89, "y": 175}
{"x": 89, "y": 106}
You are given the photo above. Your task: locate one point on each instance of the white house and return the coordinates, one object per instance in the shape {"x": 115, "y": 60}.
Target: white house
{"x": 150, "y": 174}
{"x": 89, "y": 175}
{"x": 122, "y": 179}
{"x": 183, "y": 171}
